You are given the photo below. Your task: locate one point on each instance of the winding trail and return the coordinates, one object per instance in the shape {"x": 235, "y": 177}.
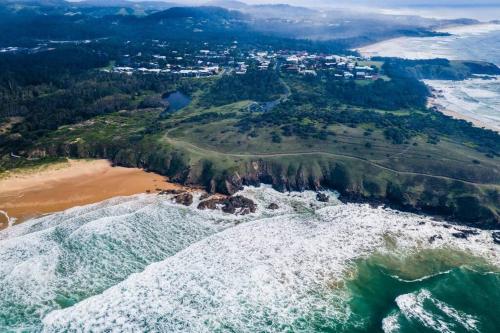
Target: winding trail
{"x": 374, "y": 163}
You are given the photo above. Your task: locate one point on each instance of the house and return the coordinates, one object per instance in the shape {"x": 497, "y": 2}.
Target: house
{"x": 308, "y": 72}
{"x": 364, "y": 68}
{"x": 292, "y": 68}
{"x": 360, "y": 75}
{"x": 348, "y": 75}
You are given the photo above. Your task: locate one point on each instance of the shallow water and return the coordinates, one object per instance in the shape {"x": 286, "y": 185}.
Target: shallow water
{"x": 142, "y": 263}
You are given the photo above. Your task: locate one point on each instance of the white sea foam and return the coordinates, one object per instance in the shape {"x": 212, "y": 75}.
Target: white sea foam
{"x": 475, "y": 99}
{"x": 469, "y": 322}
{"x": 468, "y": 30}
{"x": 65, "y": 257}
{"x": 263, "y": 275}
{"x": 416, "y": 306}
{"x": 59, "y": 259}
{"x": 10, "y": 220}
{"x": 471, "y": 42}
{"x": 390, "y": 324}
{"x": 412, "y": 307}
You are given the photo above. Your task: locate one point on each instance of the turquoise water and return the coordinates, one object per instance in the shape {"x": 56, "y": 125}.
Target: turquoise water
{"x": 145, "y": 264}
{"x": 435, "y": 291}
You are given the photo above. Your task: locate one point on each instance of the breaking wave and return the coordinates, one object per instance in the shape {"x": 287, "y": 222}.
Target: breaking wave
{"x": 142, "y": 263}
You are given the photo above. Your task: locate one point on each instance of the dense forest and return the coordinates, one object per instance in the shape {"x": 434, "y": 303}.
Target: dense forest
{"x": 404, "y": 93}
{"x": 64, "y": 95}
{"x": 321, "y": 102}
{"x": 254, "y": 85}
{"x": 436, "y": 69}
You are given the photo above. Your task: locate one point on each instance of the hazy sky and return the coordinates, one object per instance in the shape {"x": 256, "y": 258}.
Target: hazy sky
{"x": 478, "y": 9}
{"x": 383, "y": 3}
{"x": 344, "y": 3}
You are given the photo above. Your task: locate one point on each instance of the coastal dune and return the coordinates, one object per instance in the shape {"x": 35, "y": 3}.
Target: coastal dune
{"x": 32, "y": 193}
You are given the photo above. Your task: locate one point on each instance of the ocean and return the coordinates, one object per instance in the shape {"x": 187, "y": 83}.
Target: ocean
{"x": 145, "y": 264}
{"x": 476, "y": 99}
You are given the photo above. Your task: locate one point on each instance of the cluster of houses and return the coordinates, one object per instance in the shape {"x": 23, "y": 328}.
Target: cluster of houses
{"x": 210, "y": 62}
{"x": 186, "y": 72}
{"x": 304, "y": 63}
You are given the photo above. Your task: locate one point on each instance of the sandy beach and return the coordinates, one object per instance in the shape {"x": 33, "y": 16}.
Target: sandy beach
{"x": 473, "y": 100}
{"x": 26, "y": 194}
{"x": 436, "y": 102}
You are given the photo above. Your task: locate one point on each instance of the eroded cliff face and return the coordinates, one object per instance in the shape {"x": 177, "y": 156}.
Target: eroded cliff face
{"x": 464, "y": 202}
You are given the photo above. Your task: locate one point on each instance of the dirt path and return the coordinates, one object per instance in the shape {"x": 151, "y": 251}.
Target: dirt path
{"x": 263, "y": 155}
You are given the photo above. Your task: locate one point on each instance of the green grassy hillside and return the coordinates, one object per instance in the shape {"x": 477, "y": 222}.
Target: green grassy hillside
{"x": 411, "y": 157}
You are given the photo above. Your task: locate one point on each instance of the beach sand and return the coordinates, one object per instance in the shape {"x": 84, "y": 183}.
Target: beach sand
{"x": 435, "y": 102}
{"x": 26, "y": 194}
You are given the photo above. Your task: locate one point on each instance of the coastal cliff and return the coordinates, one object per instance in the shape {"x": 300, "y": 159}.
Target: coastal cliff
{"x": 356, "y": 181}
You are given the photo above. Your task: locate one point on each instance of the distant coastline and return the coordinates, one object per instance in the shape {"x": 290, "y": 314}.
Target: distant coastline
{"x": 435, "y": 102}
{"x": 442, "y": 100}
{"x": 398, "y": 47}
{"x": 480, "y": 114}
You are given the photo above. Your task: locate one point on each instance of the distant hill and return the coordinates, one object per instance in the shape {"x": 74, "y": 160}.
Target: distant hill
{"x": 266, "y": 10}
{"x": 203, "y": 12}
{"x": 159, "y": 5}
{"x": 231, "y": 4}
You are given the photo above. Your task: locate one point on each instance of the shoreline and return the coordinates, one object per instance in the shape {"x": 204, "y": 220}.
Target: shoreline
{"x": 396, "y": 44}
{"x": 31, "y": 193}
{"x": 65, "y": 182}
{"x": 433, "y": 102}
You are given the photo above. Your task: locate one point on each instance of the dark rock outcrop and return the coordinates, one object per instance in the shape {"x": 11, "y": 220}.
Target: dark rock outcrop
{"x": 322, "y": 197}
{"x": 459, "y": 235}
{"x": 273, "y": 206}
{"x": 433, "y": 238}
{"x": 238, "y": 205}
{"x": 185, "y": 199}
{"x": 496, "y": 237}
{"x": 455, "y": 200}
{"x": 233, "y": 184}
{"x": 464, "y": 234}
{"x": 204, "y": 196}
